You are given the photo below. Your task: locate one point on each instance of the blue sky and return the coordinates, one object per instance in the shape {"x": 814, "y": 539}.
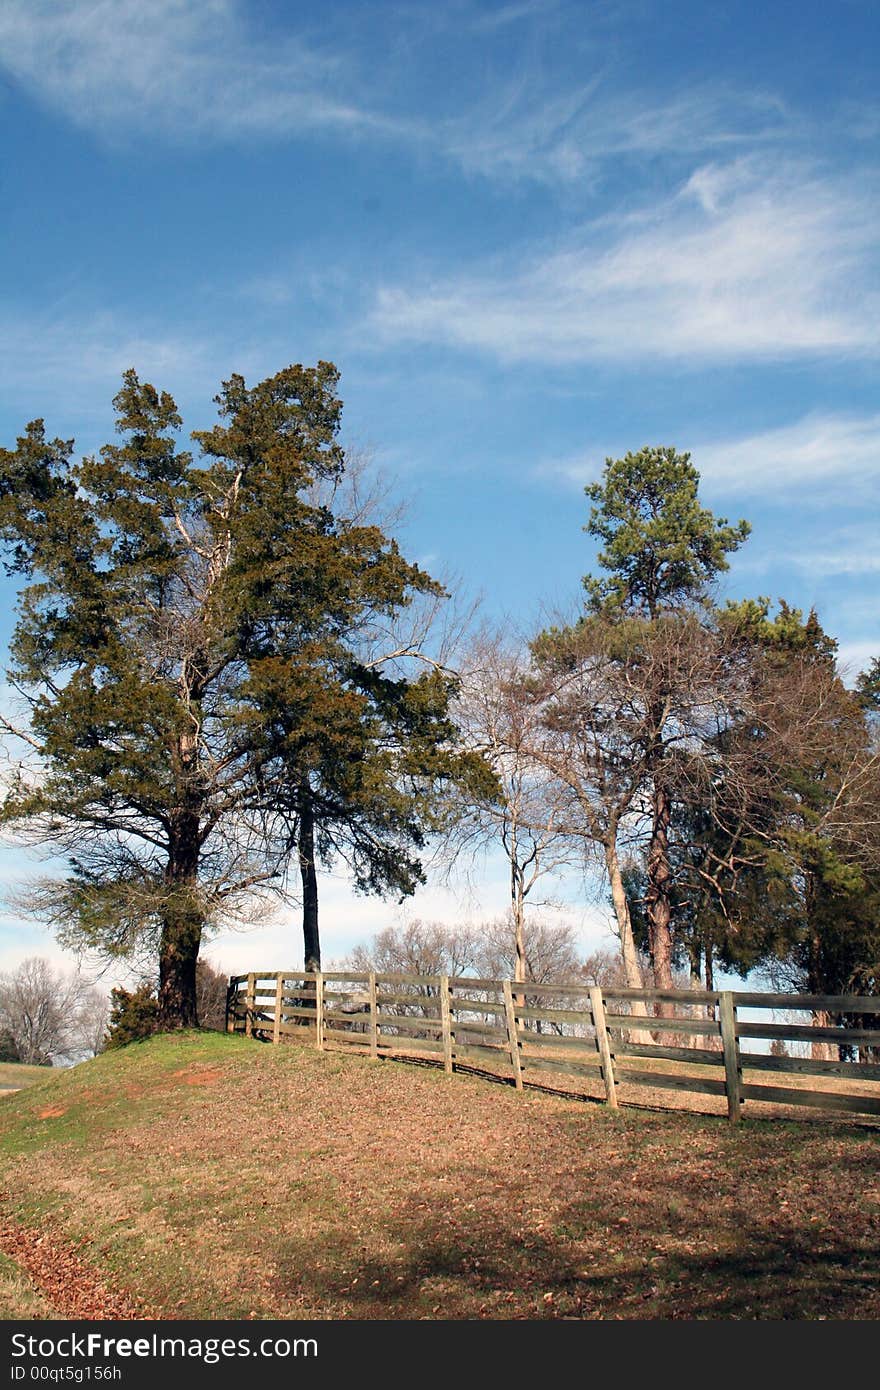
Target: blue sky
{"x": 530, "y": 235}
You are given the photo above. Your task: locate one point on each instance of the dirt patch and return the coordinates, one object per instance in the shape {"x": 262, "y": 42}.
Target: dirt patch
{"x": 69, "y": 1284}
{"x": 207, "y": 1076}
{"x": 52, "y": 1112}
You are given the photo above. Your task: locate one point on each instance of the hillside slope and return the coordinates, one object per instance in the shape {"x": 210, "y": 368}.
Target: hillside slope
{"x": 212, "y": 1176}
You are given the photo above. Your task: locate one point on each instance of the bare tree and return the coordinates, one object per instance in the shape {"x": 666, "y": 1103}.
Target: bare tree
{"x": 51, "y": 1015}
{"x": 419, "y": 948}
{"x": 604, "y": 967}
{"x": 550, "y": 951}
{"x": 498, "y": 718}
{"x": 211, "y": 987}
{"x": 91, "y": 1023}
{"x": 630, "y": 712}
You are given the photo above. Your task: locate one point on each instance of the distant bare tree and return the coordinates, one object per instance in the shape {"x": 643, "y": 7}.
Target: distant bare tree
{"x": 550, "y": 955}
{"x": 211, "y": 986}
{"x": 486, "y": 950}
{"x": 419, "y": 948}
{"x": 92, "y": 1021}
{"x": 51, "y": 1015}
{"x": 549, "y": 950}
{"x": 498, "y": 719}
{"x": 604, "y": 968}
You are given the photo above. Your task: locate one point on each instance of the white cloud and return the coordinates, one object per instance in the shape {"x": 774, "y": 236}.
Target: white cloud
{"x": 66, "y": 364}
{"x": 534, "y": 130}
{"x": 183, "y": 70}
{"x": 854, "y": 552}
{"x": 57, "y": 356}
{"x": 178, "y": 67}
{"x": 742, "y": 262}
{"x": 854, "y": 657}
{"x": 820, "y": 449}
{"x": 804, "y": 459}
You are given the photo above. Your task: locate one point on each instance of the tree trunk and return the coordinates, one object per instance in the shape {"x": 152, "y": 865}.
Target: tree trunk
{"x": 631, "y": 969}
{"x": 820, "y": 1051}
{"x": 183, "y": 915}
{"x": 182, "y": 925}
{"x": 178, "y": 954}
{"x": 517, "y": 910}
{"x": 309, "y": 876}
{"x": 658, "y": 905}
{"x": 713, "y": 1043}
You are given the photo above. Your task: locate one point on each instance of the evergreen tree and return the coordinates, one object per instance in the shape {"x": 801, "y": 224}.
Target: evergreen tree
{"x": 197, "y": 641}
{"x": 134, "y": 1015}
{"x": 662, "y": 551}
{"x": 811, "y": 832}
{"x": 774, "y": 861}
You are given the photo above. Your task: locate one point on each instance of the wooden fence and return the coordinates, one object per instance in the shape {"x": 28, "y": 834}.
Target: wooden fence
{"x": 522, "y": 1031}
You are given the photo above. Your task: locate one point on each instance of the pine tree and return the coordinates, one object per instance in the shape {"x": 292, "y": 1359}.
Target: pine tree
{"x": 197, "y": 642}
{"x": 662, "y": 552}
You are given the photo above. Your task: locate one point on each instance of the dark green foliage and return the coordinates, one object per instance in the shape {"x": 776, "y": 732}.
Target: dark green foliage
{"x": 662, "y": 552}
{"x": 796, "y": 891}
{"x": 8, "y": 1049}
{"x": 868, "y": 687}
{"x": 661, "y": 548}
{"x": 200, "y": 641}
{"x": 134, "y": 1015}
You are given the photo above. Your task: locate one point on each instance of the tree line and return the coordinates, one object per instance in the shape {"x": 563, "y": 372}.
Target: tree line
{"x": 228, "y": 676}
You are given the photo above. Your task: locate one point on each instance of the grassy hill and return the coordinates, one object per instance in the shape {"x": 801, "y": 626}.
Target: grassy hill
{"x": 209, "y": 1176}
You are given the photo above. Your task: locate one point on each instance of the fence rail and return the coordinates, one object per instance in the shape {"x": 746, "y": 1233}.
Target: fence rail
{"x": 580, "y": 1030}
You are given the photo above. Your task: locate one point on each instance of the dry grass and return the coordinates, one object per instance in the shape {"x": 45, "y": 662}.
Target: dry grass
{"x": 216, "y": 1177}
{"x": 19, "y": 1296}
{"x": 14, "y": 1076}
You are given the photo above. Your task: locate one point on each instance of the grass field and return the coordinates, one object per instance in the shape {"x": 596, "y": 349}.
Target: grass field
{"x": 15, "y": 1075}
{"x": 208, "y": 1176}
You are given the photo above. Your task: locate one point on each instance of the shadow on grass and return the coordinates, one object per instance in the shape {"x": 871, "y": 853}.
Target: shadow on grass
{"x": 433, "y": 1267}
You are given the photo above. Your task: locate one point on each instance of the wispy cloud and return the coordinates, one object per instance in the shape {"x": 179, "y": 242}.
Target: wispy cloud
{"x": 741, "y": 262}
{"x": 66, "y": 361}
{"x": 854, "y": 657}
{"x": 65, "y": 358}
{"x": 845, "y": 551}
{"x": 813, "y": 452}
{"x": 185, "y": 70}
{"x": 801, "y": 460}
{"x": 533, "y": 130}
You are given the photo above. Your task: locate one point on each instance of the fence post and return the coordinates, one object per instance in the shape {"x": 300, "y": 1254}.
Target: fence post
{"x": 512, "y": 1035}
{"x": 374, "y": 1011}
{"x": 730, "y": 1045}
{"x": 250, "y": 1000}
{"x": 446, "y": 1024}
{"x": 279, "y": 991}
{"x": 231, "y": 992}
{"x": 319, "y": 1011}
{"x": 603, "y": 1043}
